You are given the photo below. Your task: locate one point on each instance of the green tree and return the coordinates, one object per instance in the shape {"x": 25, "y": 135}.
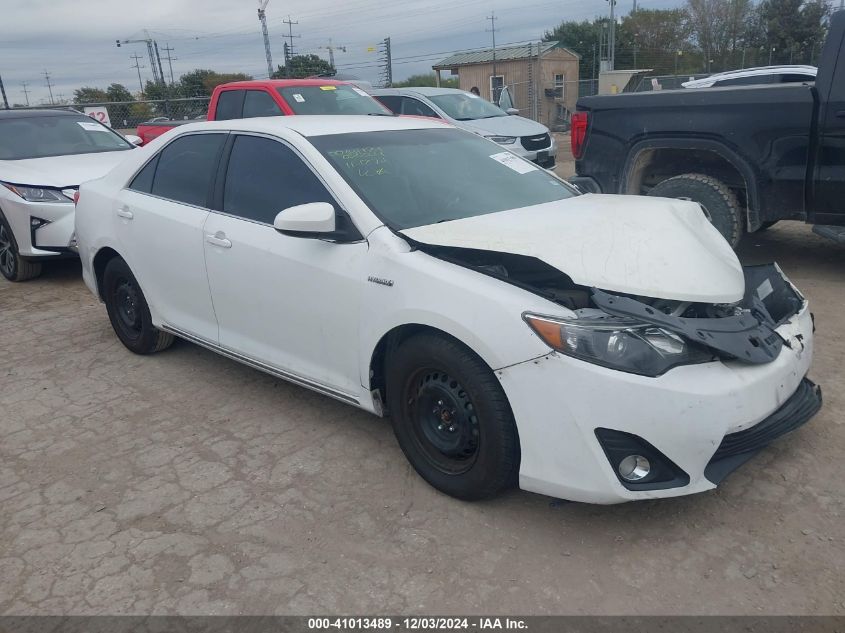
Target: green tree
{"x": 119, "y": 92}
{"x": 90, "y": 95}
{"x": 583, "y": 38}
{"x": 428, "y": 79}
{"x": 202, "y": 82}
{"x": 301, "y": 66}
{"x": 653, "y": 38}
{"x": 792, "y": 31}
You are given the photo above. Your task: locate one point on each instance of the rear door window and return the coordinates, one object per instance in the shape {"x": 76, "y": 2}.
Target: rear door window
{"x": 258, "y": 103}
{"x": 264, "y": 177}
{"x": 186, "y": 168}
{"x": 392, "y": 102}
{"x": 143, "y": 181}
{"x": 229, "y": 105}
{"x": 415, "y": 107}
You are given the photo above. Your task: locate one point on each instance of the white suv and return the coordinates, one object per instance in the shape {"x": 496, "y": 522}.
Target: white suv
{"x": 44, "y": 156}
{"x": 594, "y": 348}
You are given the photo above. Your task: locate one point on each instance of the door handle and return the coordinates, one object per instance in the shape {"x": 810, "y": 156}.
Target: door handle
{"x": 219, "y": 239}
{"x": 125, "y": 213}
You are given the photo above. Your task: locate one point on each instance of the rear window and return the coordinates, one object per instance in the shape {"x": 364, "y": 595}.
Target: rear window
{"x": 330, "y": 99}
{"x": 51, "y": 135}
{"x": 229, "y": 105}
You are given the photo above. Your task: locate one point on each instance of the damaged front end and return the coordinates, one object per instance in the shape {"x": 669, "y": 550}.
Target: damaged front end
{"x": 646, "y": 335}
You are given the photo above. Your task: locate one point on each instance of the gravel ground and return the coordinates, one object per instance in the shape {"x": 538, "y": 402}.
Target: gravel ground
{"x": 187, "y": 483}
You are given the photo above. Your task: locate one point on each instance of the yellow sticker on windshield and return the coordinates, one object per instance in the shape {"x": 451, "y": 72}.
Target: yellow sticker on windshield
{"x": 328, "y": 87}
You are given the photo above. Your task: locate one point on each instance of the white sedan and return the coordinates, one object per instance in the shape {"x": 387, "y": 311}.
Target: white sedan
{"x": 44, "y": 156}
{"x": 590, "y": 347}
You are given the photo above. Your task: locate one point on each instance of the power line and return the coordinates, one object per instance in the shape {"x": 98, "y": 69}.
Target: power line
{"x": 386, "y": 61}
{"x": 49, "y": 86}
{"x": 262, "y": 17}
{"x": 24, "y": 84}
{"x": 331, "y": 48}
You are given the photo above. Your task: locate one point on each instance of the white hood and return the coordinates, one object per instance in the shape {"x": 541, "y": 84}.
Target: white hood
{"x": 504, "y": 126}
{"x": 652, "y": 247}
{"x": 60, "y": 171}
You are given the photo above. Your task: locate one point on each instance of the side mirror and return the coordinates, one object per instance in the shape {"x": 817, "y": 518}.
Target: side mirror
{"x": 512, "y": 111}
{"x": 137, "y": 141}
{"x": 315, "y": 219}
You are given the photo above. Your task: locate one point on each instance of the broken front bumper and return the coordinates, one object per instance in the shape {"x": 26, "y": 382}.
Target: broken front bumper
{"x": 705, "y": 419}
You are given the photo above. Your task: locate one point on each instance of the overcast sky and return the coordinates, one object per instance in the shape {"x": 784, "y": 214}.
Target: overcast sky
{"x": 74, "y": 40}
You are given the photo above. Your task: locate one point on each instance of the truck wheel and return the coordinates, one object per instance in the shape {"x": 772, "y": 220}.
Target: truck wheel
{"x": 451, "y": 417}
{"x": 719, "y": 203}
{"x": 12, "y": 265}
{"x": 128, "y": 311}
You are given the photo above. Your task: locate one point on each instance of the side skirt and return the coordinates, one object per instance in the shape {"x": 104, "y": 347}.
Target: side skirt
{"x": 256, "y": 364}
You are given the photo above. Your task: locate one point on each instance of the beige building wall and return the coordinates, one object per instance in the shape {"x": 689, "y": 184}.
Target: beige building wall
{"x": 517, "y": 77}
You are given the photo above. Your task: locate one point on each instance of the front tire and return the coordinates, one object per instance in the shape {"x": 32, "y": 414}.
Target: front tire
{"x": 718, "y": 202}
{"x": 128, "y": 311}
{"x": 12, "y": 266}
{"x": 452, "y": 418}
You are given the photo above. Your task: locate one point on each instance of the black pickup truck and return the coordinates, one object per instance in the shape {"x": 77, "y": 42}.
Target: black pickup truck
{"x": 750, "y": 155}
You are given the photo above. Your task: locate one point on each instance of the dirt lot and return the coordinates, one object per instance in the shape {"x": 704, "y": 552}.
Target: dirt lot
{"x": 186, "y": 483}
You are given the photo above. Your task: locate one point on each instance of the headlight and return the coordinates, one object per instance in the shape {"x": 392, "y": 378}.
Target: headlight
{"x": 503, "y": 140}
{"x": 622, "y": 344}
{"x": 36, "y": 194}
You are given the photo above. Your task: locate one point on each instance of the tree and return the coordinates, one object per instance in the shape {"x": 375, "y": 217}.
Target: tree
{"x": 428, "y": 79}
{"x": 791, "y": 31}
{"x": 653, "y": 38}
{"x": 202, "y": 82}
{"x": 301, "y": 66}
{"x": 583, "y": 38}
{"x": 90, "y": 95}
{"x": 119, "y": 92}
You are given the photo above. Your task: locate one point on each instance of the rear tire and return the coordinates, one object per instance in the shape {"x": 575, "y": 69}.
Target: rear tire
{"x": 128, "y": 311}
{"x": 718, "y": 202}
{"x": 451, "y": 417}
{"x": 12, "y": 265}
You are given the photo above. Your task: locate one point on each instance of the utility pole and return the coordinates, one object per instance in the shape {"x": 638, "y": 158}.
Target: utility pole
{"x": 25, "y": 92}
{"x": 262, "y": 17}
{"x": 3, "y": 92}
{"x": 611, "y": 36}
{"x": 331, "y": 48}
{"x": 290, "y": 36}
{"x": 494, "y": 87}
{"x": 138, "y": 67}
{"x": 169, "y": 59}
{"x": 387, "y": 60}
{"x": 49, "y": 86}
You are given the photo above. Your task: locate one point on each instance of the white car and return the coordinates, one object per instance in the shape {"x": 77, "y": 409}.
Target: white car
{"x": 756, "y": 76}
{"x": 596, "y": 348}
{"x": 470, "y": 112}
{"x": 44, "y": 156}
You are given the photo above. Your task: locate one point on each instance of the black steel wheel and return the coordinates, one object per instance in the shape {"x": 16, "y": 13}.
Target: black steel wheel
{"x": 12, "y": 266}
{"x": 128, "y": 310}
{"x": 451, "y": 417}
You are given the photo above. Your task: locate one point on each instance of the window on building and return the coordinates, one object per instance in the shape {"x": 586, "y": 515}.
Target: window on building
{"x": 497, "y": 82}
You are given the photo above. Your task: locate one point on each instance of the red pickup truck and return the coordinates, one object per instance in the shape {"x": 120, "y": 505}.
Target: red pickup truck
{"x": 277, "y": 97}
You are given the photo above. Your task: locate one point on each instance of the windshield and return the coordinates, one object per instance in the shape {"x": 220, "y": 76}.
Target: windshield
{"x": 42, "y": 136}
{"x": 416, "y": 177}
{"x": 466, "y": 106}
{"x": 330, "y": 99}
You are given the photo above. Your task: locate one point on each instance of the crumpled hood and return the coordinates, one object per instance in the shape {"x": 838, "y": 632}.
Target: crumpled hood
{"x": 651, "y": 247}
{"x": 60, "y": 171}
{"x": 504, "y": 126}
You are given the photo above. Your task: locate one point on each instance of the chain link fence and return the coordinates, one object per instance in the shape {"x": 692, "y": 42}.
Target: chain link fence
{"x": 549, "y": 103}
{"x": 127, "y": 115}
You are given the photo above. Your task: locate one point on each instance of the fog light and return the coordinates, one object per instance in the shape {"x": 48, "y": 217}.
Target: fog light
{"x": 634, "y": 468}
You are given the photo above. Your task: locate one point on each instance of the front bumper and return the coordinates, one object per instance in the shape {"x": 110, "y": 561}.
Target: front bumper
{"x": 41, "y": 229}
{"x": 686, "y": 414}
{"x": 545, "y": 157}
